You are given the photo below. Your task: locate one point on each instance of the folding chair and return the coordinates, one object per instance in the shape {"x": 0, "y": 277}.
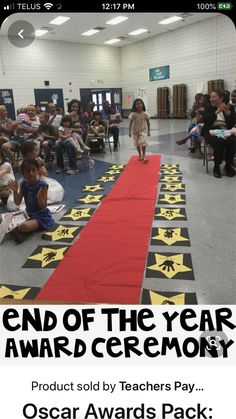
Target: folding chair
{"x": 110, "y": 139}
{"x": 108, "y": 136}
{"x": 208, "y": 153}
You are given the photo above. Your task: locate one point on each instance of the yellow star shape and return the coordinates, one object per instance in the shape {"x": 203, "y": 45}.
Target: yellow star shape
{"x": 107, "y": 179}
{"x": 174, "y": 187}
{"x": 155, "y": 298}
{"x": 117, "y": 166}
{"x": 93, "y": 188}
{"x": 170, "y": 171}
{"x": 170, "y": 179}
{"x": 17, "y": 295}
{"x": 169, "y": 235}
{"x": 170, "y": 213}
{"x": 169, "y": 265}
{"x": 113, "y": 172}
{"x": 62, "y": 232}
{"x": 171, "y": 199}
{"x": 48, "y": 255}
{"x": 91, "y": 198}
{"x": 76, "y": 214}
{"x": 167, "y": 166}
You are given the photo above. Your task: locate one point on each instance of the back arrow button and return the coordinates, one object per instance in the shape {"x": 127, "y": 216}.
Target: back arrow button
{"x": 20, "y": 34}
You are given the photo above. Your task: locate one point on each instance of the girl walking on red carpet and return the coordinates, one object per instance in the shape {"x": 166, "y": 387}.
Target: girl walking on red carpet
{"x": 139, "y": 127}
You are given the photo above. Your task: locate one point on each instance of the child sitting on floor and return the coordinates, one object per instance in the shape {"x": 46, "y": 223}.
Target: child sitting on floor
{"x": 34, "y": 191}
{"x": 30, "y": 151}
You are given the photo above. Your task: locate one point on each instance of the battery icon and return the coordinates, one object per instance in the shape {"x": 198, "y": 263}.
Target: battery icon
{"x": 224, "y": 6}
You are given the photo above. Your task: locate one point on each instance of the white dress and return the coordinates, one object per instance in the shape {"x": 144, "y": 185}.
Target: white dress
{"x": 139, "y": 128}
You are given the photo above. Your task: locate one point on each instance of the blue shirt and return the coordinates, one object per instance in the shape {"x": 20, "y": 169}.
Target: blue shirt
{"x": 104, "y": 114}
{"x": 30, "y": 195}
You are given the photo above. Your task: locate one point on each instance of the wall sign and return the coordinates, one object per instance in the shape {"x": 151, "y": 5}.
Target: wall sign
{"x": 159, "y": 73}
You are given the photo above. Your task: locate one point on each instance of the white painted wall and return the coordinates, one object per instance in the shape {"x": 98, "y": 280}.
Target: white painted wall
{"x": 25, "y": 69}
{"x": 197, "y": 53}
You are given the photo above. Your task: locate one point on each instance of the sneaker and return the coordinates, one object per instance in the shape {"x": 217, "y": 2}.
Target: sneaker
{"x": 217, "y": 172}
{"x": 59, "y": 170}
{"x": 140, "y": 158}
{"x": 72, "y": 171}
{"x": 145, "y": 159}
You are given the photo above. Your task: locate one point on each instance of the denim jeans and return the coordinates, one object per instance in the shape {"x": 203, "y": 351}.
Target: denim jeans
{"x": 115, "y": 132}
{"x": 69, "y": 148}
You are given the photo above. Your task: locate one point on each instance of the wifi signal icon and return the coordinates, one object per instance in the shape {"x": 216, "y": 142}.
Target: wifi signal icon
{"x": 48, "y": 5}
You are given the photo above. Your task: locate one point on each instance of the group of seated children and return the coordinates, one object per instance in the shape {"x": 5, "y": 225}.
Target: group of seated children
{"x": 29, "y": 135}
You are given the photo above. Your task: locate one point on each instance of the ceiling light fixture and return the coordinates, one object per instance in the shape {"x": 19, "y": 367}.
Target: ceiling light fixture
{"x": 138, "y": 32}
{"x": 170, "y": 20}
{"x": 40, "y": 32}
{"x": 117, "y": 20}
{"x": 112, "y": 41}
{"x": 59, "y": 20}
{"x": 90, "y": 32}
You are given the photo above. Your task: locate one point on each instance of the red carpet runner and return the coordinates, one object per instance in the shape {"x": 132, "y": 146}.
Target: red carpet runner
{"x": 106, "y": 264}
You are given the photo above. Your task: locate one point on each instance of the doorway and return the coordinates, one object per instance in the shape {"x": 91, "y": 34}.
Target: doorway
{"x": 99, "y": 97}
{"x": 113, "y": 95}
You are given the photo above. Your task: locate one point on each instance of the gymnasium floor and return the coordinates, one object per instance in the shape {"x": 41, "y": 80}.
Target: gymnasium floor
{"x": 210, "y": 207}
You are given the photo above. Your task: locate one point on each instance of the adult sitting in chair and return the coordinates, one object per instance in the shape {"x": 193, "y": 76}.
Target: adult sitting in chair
{"x": 220, "y": 115}
{"x": 6, "y": 126}
{"x": 78, "y": 123}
